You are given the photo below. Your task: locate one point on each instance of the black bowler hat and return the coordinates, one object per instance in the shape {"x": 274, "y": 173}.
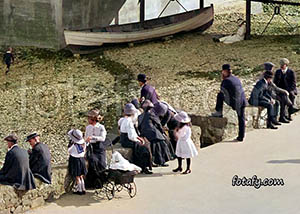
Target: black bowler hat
{"x": 226, "y": 67}
{"x": 11, "y": 138}
{"x": 33, "y": 135}
{"x": 142, "y": 78}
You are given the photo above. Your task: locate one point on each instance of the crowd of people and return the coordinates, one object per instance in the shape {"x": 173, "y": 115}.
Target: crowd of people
{"x": 270, "y": 91}
{"x": 152, "y": 128}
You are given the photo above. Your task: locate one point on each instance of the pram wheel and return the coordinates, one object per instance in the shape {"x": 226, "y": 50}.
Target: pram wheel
{"x": 109, "y": 190}
{"x": 131, "y": 188}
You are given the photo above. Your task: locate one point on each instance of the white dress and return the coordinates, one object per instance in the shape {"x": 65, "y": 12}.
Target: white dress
{"x": 185, "y": 146}
{"x": 239, "y": 36}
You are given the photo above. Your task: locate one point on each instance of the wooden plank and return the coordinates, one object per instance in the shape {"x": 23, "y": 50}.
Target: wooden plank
{"x": 278, "y": 2}
{"x": 248, "y": 19}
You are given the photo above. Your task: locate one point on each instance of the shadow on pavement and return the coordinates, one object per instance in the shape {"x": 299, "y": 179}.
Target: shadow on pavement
{"x": 297, "y": 161}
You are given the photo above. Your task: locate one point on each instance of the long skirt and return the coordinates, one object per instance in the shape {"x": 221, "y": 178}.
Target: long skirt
{"x": 141, "y": 155}
{"x": 160, "y": 152}
{"x": 77, "y": 166}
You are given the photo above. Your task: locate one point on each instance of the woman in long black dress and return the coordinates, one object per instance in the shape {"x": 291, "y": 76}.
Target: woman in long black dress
{"x": 130, "y": 139}
{"x": 95, "y": 135}
{"x": 150, "y": 128}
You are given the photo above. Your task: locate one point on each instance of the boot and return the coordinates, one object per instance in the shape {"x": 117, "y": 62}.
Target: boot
{"x": 217, "y": 114}
{"x": 293, "y": 110}
{"x": 283, "y": 120}
{"x": 275, "y": 122}
{"x": 270, "y": 125}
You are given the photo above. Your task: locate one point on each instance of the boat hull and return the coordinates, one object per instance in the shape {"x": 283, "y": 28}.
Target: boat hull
{"x": 201, "y": 19}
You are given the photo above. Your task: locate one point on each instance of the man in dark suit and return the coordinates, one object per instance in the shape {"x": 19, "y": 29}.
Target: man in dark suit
{"x": 285, "y": 78}
{"x": 232, "y": 93}
{"x": 39, "y": 158}
{"x": 147, "y": 92}
{"x": 16, "y": 171}
{"x": 261, "y": 96}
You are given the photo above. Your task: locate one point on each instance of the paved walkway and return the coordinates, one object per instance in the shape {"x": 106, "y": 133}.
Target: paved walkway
{"x": 208, "y": 190}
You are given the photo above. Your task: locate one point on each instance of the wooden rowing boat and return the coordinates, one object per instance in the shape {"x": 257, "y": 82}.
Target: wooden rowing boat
{"x": 195, "y": 20}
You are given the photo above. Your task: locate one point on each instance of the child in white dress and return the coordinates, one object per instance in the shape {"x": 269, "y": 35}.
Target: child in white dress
{"x": 185, "y": 147}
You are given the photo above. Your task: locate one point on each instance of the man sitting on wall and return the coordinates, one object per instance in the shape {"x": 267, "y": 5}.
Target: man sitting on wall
{"x": 285, "y": 78}
{"x": 261, "y": 96}
{"x": 16, "y": 171}
{"x": 39, "y": 158}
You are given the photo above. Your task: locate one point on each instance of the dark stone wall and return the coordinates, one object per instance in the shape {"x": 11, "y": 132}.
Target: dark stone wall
{"x": 30, "y": 23}
{"x": 41, "y": 23}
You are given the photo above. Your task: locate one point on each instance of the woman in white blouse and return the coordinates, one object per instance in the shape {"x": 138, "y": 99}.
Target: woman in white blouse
{"x": 95, "y": 135}
{"x": 130, "y": 139}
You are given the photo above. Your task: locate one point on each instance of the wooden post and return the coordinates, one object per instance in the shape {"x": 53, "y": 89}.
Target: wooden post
{"x": 201, "y": 4}
{"x": 248, "y": 19}
{"x": 142, "y": 10}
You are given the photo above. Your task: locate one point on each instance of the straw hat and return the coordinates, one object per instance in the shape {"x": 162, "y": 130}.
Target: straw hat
{"x": 32, "y": 135}
{"x": 95, "y": 115}
{"x": 76, "y": 136}
{"x": 129, "y": 109}
{"x": 160, "y": 109}
{"x": 182, "y": 117}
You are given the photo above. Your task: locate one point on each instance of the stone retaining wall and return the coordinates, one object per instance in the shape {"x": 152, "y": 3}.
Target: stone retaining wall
{"x": 13, "y": 201}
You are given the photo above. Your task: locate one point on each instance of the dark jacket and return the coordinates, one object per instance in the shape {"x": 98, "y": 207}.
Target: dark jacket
{"x": 16, "y": 171}
{"x": 260, "y": 93}
{"x": 148, "y": 93}
{"x": 286, "y": 81}
{"x": 233, "y": 92}
{"x": 150, "y": 127}
{"x": 8, "y": 57}
{"x": 40, "y": 162}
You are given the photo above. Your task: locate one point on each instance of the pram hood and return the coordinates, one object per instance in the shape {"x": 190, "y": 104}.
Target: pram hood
{"x": 119, "y": 162}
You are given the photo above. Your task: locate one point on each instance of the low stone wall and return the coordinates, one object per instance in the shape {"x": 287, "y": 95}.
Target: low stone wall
{"x": 214, "y": 130}
{"x": 14, "y": 201}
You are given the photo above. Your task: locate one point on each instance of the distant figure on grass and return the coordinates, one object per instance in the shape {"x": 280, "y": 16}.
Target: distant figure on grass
{"x": 147, "y": 92}
{"x": 39, "y": 158}
{"x": 232, "y": 93}
{"x": 185, "y": 146}
{"x": 16, "y": 171}
{"x": 77, "y": 166}
{"x": 8, "y": 58}
{"x": 238, "y": 36}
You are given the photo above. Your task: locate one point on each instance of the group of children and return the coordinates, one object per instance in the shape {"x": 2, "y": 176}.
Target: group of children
{"x": 95, "y": 136}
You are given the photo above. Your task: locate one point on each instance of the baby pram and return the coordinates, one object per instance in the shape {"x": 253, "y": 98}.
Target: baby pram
{"x": 119, "y": 176}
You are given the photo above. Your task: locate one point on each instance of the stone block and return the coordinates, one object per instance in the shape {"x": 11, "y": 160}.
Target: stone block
{"x": 5, "y": 211}
{"x": 19, "y": 209}
{"x": 37, "y": 202}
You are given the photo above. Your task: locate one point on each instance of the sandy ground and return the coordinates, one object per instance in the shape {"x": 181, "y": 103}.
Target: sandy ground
{"x": 265, "y": 153}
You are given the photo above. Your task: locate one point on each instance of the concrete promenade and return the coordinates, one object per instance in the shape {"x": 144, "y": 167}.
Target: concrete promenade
{"x": 209, "y": 190}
